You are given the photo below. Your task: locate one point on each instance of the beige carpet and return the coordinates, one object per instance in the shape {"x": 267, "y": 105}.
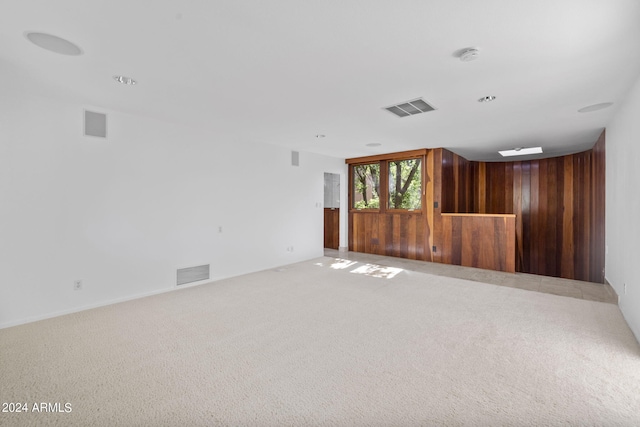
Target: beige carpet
{"x": 328, "y": 342}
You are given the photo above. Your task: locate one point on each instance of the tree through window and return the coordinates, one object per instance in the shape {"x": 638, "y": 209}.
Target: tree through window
{"x": 405, "y": 184}
{"x": 366, "y": 183}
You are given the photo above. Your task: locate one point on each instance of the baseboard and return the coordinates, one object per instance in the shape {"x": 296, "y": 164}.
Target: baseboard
{"x": 606, "y": 282}
{"x": 103, "y": 303}
{"x": 636, "y": 333}
{"x": 81, "y": 308}
{"x": 51, "y": 315}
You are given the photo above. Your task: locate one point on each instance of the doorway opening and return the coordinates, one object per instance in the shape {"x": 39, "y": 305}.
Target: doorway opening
{"x": 331, "y": 210}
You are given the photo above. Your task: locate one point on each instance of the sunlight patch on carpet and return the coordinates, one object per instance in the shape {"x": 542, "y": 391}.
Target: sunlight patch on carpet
{"x": 373, "y": 270}
{"x": 377, "y": 271}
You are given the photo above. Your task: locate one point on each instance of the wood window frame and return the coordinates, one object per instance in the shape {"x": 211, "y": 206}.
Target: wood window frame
{"x": 383, "y": 160}
{"x": 382, "y": 193}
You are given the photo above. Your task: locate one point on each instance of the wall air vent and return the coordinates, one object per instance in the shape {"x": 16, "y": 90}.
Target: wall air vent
{"x": 410, "y": 108}
{"x": 95, "y": 124}
{"x": 193, "y": 274}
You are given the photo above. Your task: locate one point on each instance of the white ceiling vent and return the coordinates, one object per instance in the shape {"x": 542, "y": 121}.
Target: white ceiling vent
{"x": 410, "y": 108}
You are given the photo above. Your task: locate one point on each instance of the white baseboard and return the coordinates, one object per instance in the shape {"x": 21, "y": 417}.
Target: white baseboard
{"x": 102, "y": 304}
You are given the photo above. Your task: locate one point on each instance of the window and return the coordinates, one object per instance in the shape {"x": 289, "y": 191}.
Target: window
{"x": 366, "y": 186}
{"x": 387, "y": 182}
{"x": 405, "y": 184}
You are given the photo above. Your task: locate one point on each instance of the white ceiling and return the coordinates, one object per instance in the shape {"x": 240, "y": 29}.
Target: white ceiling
{"x": 283, "y": 71}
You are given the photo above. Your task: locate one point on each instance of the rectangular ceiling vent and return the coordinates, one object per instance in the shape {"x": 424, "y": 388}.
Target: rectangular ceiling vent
{"x": 193, "y": 274}
{"x": 410, "y": 108}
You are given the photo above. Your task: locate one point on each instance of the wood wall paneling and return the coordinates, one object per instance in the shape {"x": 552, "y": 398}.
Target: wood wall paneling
{"x": 429, "y": 211}
{"x": 390, "y": 234}
{"x": 396, "y": 233}
{"x": 479, "y": 240}
{"x": 436, "y": 229}
{"x": 559, "y": 207}
{"x": 597, "y": 248}
{"x": 331, "y": 228}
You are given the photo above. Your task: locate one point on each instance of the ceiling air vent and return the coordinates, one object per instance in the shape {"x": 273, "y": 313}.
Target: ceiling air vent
{"x": 410, "y": 108}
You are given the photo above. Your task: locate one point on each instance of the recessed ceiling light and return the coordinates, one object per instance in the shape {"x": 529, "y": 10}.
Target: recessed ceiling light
{"x": 487, "y": 98}
{"x": 469, "y": 54}
{"x": 53, "y": 43}
{"x": 373, "y": 144}
{"x": 320, "y": 135}
{"x": 125, "y": 80}
{"x": 595, "y": 107}
{"x": 520, "y": 151}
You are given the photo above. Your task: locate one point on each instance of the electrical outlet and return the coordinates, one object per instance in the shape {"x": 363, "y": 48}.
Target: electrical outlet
{"x": 625, "y": 288}
{"x": 77, "y": 285}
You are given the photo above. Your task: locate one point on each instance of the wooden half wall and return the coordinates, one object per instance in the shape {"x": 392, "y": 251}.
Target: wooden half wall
{"x": 479, "y": 240}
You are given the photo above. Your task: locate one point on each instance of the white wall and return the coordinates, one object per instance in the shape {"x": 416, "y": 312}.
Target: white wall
{"x": 623, "y": 207}
{"x": 122, "y": 214}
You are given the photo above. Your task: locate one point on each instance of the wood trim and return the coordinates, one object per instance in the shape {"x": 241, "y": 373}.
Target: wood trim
{"x": 480, "y": 215}
{"x": 384, "y": 185}
{"x": 402, "y": 155}
{"x": 372, "y": 211}
{"x": 405, "y": 211}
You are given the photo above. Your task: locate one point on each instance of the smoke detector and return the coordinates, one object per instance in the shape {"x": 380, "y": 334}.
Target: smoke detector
{"x": 469, "y": 54}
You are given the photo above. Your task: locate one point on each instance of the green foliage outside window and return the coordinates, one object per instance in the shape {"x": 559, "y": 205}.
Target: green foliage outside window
{"x": 366, "y": 182}
{"x": 405, "y": 184}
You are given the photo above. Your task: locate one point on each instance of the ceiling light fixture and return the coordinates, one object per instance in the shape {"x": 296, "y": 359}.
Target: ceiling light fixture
{"x": 521, "y": 151}
{"x": 469, "y": 54}
{"x": 595, "y": 107}
{"x": 53, "y": 43}
{"x": 487, "y": 98}
{"x": 125, "y": 80}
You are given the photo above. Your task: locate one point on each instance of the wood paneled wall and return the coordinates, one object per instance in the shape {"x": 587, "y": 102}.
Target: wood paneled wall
{"x": 559, "y": 205}
{"x": 457, "y": 183}
{"x": 396, "y": 233}
{"x": 331, "y": 228}
{"x": 480, "y": 240}
{"x": 597, "y": 207}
